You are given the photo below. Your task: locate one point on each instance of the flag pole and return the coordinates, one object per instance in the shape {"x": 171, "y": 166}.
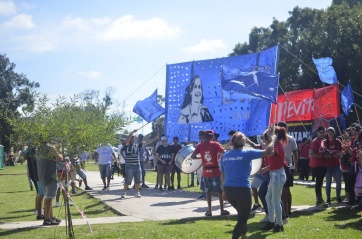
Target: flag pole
{"x": 355, "y": 107}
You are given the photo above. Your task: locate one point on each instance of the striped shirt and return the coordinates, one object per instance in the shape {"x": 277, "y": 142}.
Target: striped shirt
{"x": 131, "y": 154}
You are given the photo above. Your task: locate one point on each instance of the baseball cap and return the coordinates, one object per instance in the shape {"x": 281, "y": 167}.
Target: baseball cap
{"x": 332, "y": 129}
{"x": 163, "y": 138}
{"x": 140, "y": 136}
{"x": 209, "y": 132}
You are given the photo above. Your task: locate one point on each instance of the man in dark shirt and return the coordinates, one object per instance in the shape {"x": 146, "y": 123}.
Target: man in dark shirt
{"x": 176, "y": 147}
{"x": 165, "y": 157}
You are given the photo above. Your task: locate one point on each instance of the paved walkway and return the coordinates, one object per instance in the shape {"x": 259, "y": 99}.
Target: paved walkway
{"x": 153, "y": 205}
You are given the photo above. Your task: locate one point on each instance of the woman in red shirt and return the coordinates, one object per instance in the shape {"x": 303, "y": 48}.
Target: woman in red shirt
{"x": 276, "y": 162}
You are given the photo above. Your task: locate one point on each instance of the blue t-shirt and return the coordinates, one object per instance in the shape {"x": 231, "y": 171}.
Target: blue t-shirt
{"x": 236, "y": 165}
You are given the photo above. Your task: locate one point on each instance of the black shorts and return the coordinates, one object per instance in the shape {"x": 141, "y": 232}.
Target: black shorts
{"x": 290, "y": 178}
{"x": 176, "y": 169}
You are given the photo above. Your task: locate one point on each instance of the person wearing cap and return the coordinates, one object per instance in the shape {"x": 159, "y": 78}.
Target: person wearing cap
{"x": 133, "y": 169}
{"x": 211, "y": 151}
{"x": 165, "y": 158}
{"x": 333, "y": 153}
{"x": 318, "y": 164}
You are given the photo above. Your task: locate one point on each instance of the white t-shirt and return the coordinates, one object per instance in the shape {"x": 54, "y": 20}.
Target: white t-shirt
{"x": 122, "y": 161}
{"x": 105, "y": 154}
{"x": 292, "y": 145}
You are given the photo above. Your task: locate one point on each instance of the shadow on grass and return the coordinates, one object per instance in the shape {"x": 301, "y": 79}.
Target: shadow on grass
{"x": 4, "y": 234}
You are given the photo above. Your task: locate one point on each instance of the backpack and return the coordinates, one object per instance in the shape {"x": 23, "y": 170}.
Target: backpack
{"x": 358, "y": 183}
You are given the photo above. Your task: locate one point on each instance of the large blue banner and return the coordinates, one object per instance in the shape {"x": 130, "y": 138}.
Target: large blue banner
{"x": 197, "y": 97}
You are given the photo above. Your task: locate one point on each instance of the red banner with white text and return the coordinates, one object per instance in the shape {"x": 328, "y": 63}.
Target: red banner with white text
{"x": 306, "y": 105}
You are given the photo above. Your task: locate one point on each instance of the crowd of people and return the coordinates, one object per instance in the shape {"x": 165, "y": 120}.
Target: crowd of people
{"x": 225, "y": 170}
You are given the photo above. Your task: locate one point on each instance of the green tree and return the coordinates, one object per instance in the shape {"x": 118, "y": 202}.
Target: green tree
{"x": 16, "y": 95}
{"x": 333, "y": 32}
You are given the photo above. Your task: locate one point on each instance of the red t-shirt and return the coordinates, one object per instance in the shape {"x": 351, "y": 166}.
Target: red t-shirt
{"x": 335, "y": 147}
{"x": 277, "y": 161}
{"x": 209, "y": 151}
{"x": 318, "y": 147}
{"x": 304, "y": 150}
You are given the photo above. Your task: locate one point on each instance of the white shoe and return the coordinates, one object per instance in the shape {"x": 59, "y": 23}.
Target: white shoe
{"x": 57, "y": 204}
{"x": 124, "y": 195}
{"x": 138, "y": 195}
{"x": 265, "y": 219}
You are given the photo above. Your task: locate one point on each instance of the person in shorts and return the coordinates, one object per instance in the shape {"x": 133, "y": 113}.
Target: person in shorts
{"x": 176, "y": 170}
{"x": 165, "y": 158}
{"x": 210, "y": 152}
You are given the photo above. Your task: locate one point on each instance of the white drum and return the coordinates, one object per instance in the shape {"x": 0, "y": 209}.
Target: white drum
{"x": 184, "y": 162}
{"x": 255, "y": 163}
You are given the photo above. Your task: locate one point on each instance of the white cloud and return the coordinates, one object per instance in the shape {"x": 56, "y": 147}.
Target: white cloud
{"x": 92, "y": 75}
{"x": 42, "y": 47}
{"x": 128, "y": 27}
{"x": 84, "y": 24}
{"x": 207, "y": 45}
{"x": 7, "y": 8}
{"x": 23, "y": 21}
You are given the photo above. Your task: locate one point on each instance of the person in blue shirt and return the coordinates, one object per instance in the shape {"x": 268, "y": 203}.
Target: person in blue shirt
{"x": 235, "y": 172}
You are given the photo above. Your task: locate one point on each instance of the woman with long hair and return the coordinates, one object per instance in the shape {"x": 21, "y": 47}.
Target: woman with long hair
{"x": 276, "y": 163}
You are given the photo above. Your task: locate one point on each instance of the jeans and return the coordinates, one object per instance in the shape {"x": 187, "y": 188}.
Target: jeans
{"x": 263, "y": 189}
{"x": 319, "y": 173}
{"x": 274, "y": 195}
{"x": 304, "y": 168}
{"x": 336, "y": 171}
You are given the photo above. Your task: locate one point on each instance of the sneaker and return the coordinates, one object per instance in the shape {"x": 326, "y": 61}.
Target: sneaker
{"x": 50, "y": 222}
{"x": 56, "y": 219}
{"x": 268, "y": 226}
{"x": 74, "y": 192}
{"x": 202, "y": 197}
{"x": 255, "y": 207}
{"x": 57, "y": 204}
{"x": 138, "y": 195}
{"x": 88, "y": 188}
{"x": 124, "y": 195}
{"x": 156, "y": 187}
{"x": 41, "y": 217}
{"x": 346, "y": 200}
{"x": 265, "y": 219}
{"x": 145, "y": 186}
{"x": 278, "y": 228}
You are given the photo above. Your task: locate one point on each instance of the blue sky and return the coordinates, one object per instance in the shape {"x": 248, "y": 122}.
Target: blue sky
{"x": 70, "y": 46}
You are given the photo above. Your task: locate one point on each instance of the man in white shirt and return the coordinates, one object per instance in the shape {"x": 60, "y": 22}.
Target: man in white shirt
{"x": 106, "y": 154}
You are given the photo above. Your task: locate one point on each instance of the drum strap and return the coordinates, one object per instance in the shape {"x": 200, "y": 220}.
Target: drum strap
{"x": 211, "y": 167}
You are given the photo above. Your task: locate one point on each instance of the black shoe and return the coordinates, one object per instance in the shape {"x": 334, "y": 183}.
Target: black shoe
{"x": 278, "y": 228}
{"x": 268, "y": 226}
{"x": 145, "y": 186}
{"x": 50, "y": 222}
{"x": 179, "y": 187}
{"x": 134, "y": 186}
{"x": 41, "y": 217}
{"x": 160, "y": 188}
{"x": 256, "y": 206}
{"x": 156, "y": 187}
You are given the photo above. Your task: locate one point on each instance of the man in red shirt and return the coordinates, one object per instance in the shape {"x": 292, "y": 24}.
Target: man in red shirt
{"x": 211, "y": 151}
{"x": 318, "y": 164}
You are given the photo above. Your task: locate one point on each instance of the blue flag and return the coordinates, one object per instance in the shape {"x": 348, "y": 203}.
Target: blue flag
{"x": 325, "y": 70}
{"x": 259, "y": 84}
{"x": 347, "y": 99}
{"x": 148, "y": 108}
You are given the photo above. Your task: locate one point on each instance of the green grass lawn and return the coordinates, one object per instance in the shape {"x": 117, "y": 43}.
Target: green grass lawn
{"x": 17, "y": 204}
